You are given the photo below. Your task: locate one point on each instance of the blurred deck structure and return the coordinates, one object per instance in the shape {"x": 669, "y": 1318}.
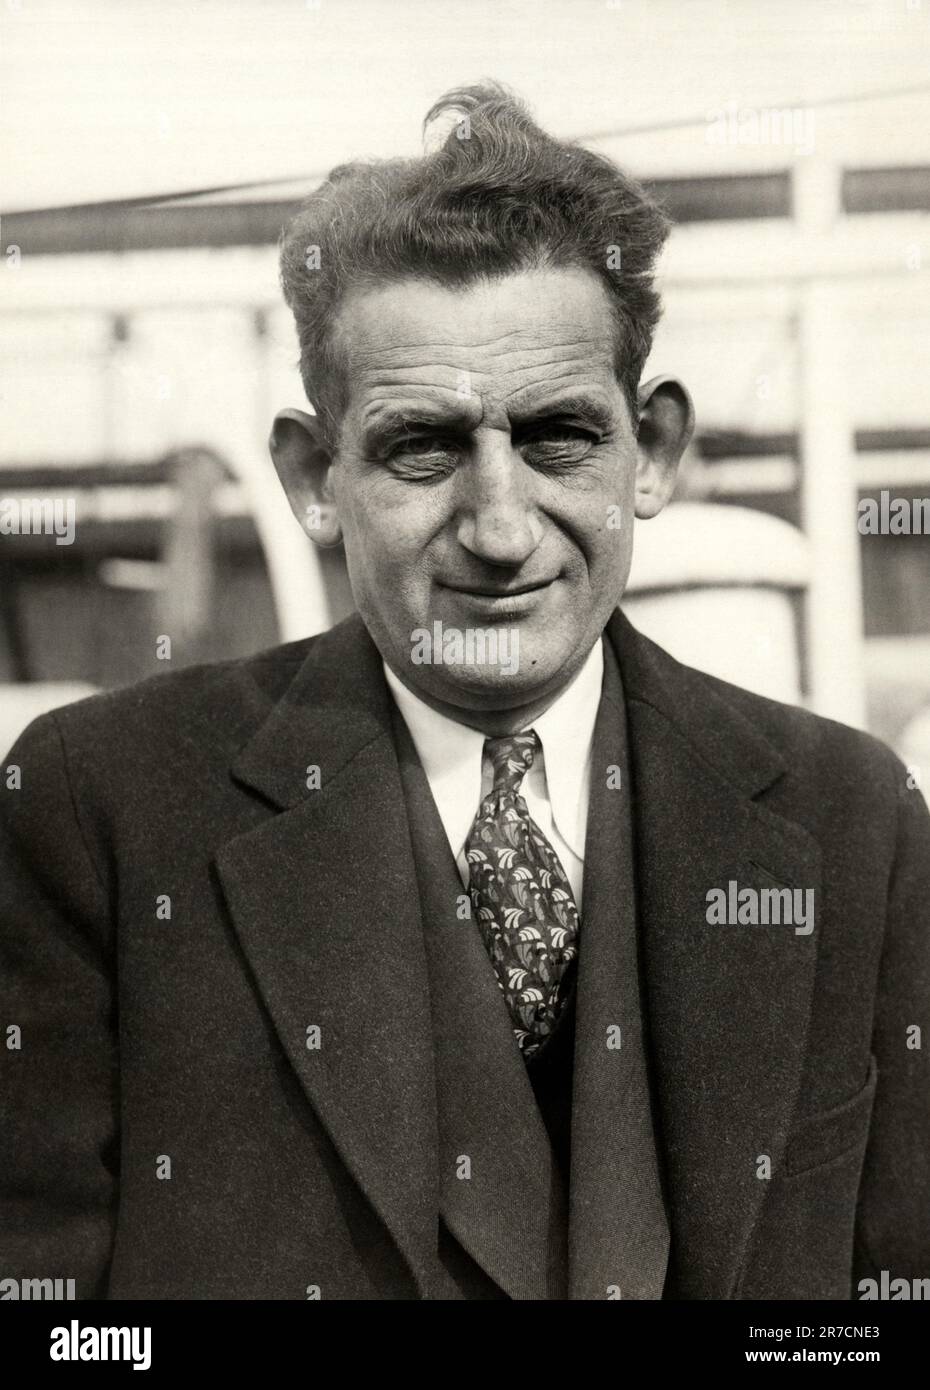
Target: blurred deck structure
{"x": 172, "y": 337}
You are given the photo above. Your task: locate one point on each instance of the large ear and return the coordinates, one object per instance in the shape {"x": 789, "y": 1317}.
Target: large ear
{"x": 666, "y": 423}
{"x": 303, "y": 461}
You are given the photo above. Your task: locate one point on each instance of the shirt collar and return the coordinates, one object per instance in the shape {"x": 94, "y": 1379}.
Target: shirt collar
{"x": 565, "y": 731}
{"x": 451, "y": 754}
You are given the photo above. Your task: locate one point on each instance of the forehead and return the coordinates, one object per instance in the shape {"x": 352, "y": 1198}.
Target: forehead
{"x": 496, "y": 342}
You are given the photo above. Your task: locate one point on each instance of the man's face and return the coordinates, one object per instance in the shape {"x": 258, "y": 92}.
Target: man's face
{"x": 485, "y": 478}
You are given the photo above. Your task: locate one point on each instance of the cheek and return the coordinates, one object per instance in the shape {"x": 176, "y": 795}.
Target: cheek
{"x": 601, "y": 521}
{"x": 385, "y": 546}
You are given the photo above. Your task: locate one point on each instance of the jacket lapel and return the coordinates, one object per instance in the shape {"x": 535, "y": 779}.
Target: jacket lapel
{"x": 323, "y": 897}
{"x": 501, "y": 1193}
{"x": 727, "y": 1006}
{"x": 619, "y": 1236}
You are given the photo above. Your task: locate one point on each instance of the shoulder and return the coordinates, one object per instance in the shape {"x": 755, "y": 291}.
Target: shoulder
{"x": 735, "y": 724}
{"x": 811, "y": 744}
{"x": 798, "y": 733}
{"x": 212, "y": 708}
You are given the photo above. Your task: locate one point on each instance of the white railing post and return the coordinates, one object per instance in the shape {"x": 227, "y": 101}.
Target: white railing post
{"x": 834, "y": 611}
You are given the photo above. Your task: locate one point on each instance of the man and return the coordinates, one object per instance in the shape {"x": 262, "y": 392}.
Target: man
{"x": 476, "y": 948}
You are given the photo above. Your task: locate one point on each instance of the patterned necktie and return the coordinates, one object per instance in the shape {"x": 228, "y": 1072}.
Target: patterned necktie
{"x": 520, "y": 895}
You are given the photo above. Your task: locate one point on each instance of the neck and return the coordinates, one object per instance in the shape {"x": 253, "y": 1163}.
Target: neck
{"x": 492, "y": 722}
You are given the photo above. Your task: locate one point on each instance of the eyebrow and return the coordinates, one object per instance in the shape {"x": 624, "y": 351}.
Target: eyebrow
{"x": 576, "y": 407}
{"x": 392, "y": 422}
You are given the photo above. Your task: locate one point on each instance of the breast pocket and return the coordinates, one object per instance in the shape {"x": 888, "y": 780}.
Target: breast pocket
{"x": 832, "y": 1134}
{"x": 803, "y": 1245}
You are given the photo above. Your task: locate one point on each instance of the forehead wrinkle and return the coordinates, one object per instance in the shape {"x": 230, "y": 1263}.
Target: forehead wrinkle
{"x": 530, "y": 391}
{"x": 566, "y": 378}
{"x": 415, "y": 394}
{"x": 388, "y": 376}
{"x": 425, "y": 344}
{"x": 387, "y": 356}
{"x": 412, "y": 378}
{"x": 568, "y": 394}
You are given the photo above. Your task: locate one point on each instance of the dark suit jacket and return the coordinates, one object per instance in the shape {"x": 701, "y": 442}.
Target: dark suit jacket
{"x": 295, "y": 1166}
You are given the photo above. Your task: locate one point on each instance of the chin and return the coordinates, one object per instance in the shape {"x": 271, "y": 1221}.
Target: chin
{"x": 491, "y": 687}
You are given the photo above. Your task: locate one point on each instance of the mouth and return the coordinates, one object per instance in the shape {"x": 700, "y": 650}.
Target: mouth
{"x": 501, "y": 603}
{"x": 494, "y": 591}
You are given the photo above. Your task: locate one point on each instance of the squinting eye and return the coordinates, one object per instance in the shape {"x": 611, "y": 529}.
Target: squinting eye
{"x": 570, "y": 438}
{"x": 563, "y": 434}
{"x": 419, "y": 445}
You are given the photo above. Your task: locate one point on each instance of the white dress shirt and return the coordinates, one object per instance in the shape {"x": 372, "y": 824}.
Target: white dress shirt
{"x": 555, "y": 788}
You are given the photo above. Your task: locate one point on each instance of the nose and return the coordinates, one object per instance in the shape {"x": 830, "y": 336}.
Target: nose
{"x": 497, "y": 516}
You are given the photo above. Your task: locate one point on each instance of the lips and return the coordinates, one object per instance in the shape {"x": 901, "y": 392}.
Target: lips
{"x": 494, "y": 591}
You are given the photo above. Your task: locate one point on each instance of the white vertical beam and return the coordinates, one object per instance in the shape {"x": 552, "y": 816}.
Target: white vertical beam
{"x": 835, "y": 640}
{"x": 294, "y": 570}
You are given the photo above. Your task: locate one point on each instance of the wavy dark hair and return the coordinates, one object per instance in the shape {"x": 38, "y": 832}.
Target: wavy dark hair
{"x": 499, "y": 195}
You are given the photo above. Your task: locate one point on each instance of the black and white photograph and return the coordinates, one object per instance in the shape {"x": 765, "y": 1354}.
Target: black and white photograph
{"x": 465, "y": 663}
